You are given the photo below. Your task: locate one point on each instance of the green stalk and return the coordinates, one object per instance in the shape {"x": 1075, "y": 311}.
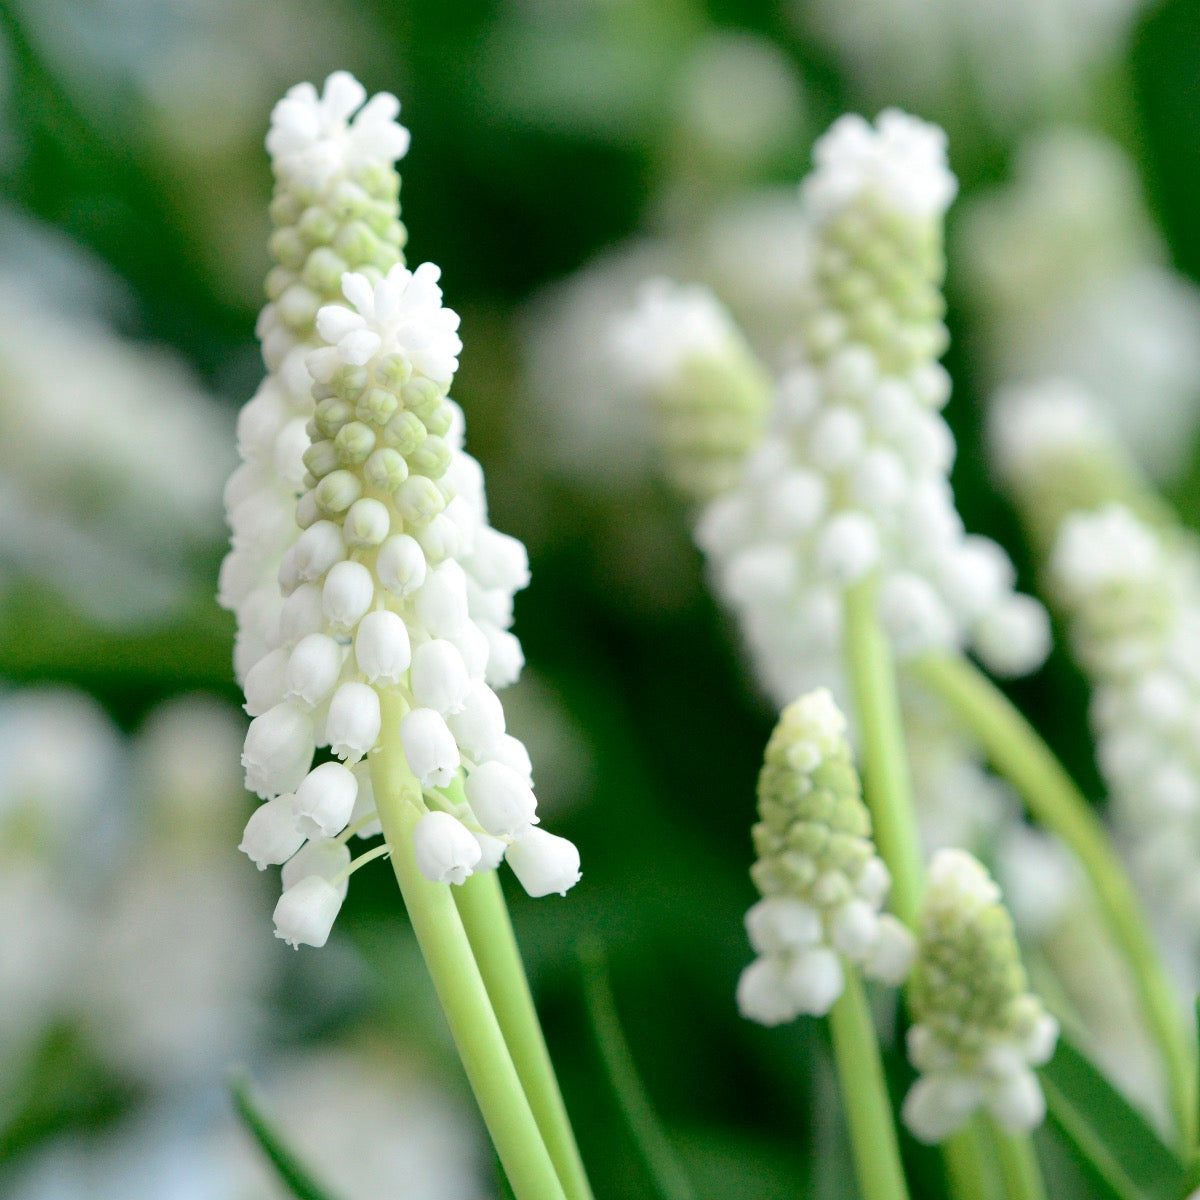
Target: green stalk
{"x": 886, "y": 783}
{"x": 887, "y": 787}
{"x": 489, "y": 929}
{"x": 1018, "y": 1166}
{"x": 1019, "y": 754}
{"x": 456, "y": 977}
{"x": 967, "y": 1173}
{"x": 865, "y": 1095}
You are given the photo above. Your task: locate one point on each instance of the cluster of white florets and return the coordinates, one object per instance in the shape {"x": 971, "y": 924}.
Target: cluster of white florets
{"x": 852, "y": 478}
{"x": 901, "y": 160}
{"x": 977, "y": 1030}
{"x": 1131, "y": 594}
{"x": 315, "y": 138}
{"x": 388, "y": 579}
{"x": 822, "y": 883}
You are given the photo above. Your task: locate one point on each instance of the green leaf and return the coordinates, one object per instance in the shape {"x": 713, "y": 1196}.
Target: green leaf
{"x": 295, "y": 1176}
{"x": 1112, "y": 1141}
{"x": 655, "y": 1148}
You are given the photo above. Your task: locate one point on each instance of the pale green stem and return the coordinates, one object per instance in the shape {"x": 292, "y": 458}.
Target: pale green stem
{"x": 886, "y": 783}
{"x": 1018, "y": 1166}
{"x": 485, "y": 918}
{"x": 865, "y": 1095}
{"x": 1018, "y": 753}
{"x": 968, "y": 1173}
{"x": 456, "y": 977}
{"x": 887, "y": 786}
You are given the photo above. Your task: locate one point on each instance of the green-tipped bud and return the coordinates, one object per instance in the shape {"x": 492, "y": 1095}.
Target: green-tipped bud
{"x": 710, "y": 394}
{"x": 822, "y": 883}
{"x": 977, "y": 1029}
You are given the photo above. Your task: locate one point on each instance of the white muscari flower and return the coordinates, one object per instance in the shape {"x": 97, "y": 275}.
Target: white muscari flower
{"x": 353, "y": 724}
{"x": 501, "y": 800}
{"x": 278, "y": 751}
{"x": 822, "y": 883}
{"x": 977, "y": 1031}
{"x": 393, "y": 582}
{"x": 446, "y": 851}
{"x": 544, "y": 862}
{"x": 430, "y": 747}
{"x": 324, "y": 801}
{"x": 382, "y": 647}
{"x": 306, "y": 912}
{"x": 272, "y": 835}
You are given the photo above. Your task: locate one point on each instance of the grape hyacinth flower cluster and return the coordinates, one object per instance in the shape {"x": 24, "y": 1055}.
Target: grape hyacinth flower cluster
{"x": 977, "y": 1030}
{"x": 822, "y": 883}
{"x": 391, "y": 582}
{"x": 1131, "y": 593}
{"x": 852, "y": 477}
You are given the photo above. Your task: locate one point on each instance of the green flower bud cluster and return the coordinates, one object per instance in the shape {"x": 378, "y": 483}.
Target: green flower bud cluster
{"x": 710, "y": 417}
{"x": 350, "y": 224}
{"x": 977, "y": 1028}
{"x": 684, "y": 358}
{"x": 822, "y": 883}
{"x": 378, "y": 442}
{"x": 878, "y": 275}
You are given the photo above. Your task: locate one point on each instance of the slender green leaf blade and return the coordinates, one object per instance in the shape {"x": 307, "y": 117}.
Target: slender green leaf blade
{"x": 1112, "y": 1140}
{"x": 657, "y": 1153}
{"x": 295, "y": 1176}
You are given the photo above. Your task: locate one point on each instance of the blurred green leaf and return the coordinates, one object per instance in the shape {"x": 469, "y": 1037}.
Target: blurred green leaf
{"x": 1112, "y": 1140}
{"x": 289, "y": 1168}
{"x": 657, "y": 1153}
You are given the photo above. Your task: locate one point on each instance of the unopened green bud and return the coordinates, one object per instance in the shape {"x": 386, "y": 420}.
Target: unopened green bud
{"x": 418, "y": 500}
{"x": 431, "y": 458}
{"x": 321, "y": 458}
{"x": 376, "y": 406}
{"x": 317, "y": 225}
{"x": 330, "y": 415}
{"x": 386, "y": 469}
{"x": 394, "y": 371}
{"x": 404, "y": 432}
{"x": 323, "y": 271}
{"x": 337, "y": 491}
{"x": 421, "y": 396}
{"x": 354, "y": 443}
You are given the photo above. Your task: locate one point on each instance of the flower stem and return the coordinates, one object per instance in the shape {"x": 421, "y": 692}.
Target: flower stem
{"x": 1018, "y": 1166}
{"x": 489, "y": 929}
{"x": 968, "y": 1174}
{"x": 1019, "y": 754}
{"x": 865, "y": 1094}
{"x": 887, "y": 786}
{"x": 456, "y": 977}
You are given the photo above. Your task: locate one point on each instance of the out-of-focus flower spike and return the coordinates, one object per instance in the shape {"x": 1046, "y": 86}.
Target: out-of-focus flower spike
{"x": 977, "y": 1030}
